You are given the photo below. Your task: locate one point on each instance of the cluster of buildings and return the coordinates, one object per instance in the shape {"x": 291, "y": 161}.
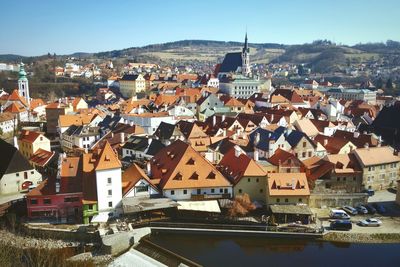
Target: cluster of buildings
{"x": 193, "y": 138}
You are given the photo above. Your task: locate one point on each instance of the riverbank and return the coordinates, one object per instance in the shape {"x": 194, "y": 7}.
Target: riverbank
{"x": 20, "y": 250}
{"x": 368, "y": 238}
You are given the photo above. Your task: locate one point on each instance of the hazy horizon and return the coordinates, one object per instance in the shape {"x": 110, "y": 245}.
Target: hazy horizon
{"x": 35, "y": 28}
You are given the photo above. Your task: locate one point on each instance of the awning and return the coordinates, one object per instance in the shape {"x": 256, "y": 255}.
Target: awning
{"x": 291, "y": 209}
{"x": 100, "y": 218}
{"x": 205, "y": 206}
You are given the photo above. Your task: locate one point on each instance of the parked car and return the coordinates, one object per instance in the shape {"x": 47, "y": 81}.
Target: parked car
{"x": 370, "y": 192}
{"x": 379, "y": 208}
{"x": 370, "y": 208}
{"x": 343, "y": 225}
{"x": 361, "y": 209}
{"x": 339, "y": 214}
{"x": 370, "y": 222}
{"x": 350, "y": 210}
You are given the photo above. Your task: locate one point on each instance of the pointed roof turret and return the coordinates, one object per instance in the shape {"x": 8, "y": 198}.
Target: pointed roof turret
{"x": 108, "y": 159}
{"x": 246, "y": 48}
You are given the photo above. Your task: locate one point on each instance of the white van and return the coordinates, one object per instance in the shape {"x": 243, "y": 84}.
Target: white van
{"x": 339, "y": 214}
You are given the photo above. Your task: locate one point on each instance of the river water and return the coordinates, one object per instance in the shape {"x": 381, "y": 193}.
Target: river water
{"x": 211, "y": 250}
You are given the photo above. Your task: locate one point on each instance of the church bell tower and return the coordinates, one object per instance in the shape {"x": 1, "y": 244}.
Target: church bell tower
{"x": 246, "y": 58}
{"x": 23, "y": 85}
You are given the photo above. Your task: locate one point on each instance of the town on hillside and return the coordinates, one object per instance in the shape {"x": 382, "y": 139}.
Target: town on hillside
{"x": 170, "y": 147}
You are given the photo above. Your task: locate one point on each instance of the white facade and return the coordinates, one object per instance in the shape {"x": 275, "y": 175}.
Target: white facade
{"x": 141, "y": 189}
{"x": 149, "y": 124}
{"x": 241, "y": 87}
{"x": 12, "y": 182}
{"x": 23, "y": 84}
{"x": 213, "y": 82}
{"x": 185, "y": 194}
{"x": 109, "y": 189}
{"x": 7, "y": 126}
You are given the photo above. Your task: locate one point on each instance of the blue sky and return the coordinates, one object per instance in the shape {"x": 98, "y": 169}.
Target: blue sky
{"x": 31, "y": 27}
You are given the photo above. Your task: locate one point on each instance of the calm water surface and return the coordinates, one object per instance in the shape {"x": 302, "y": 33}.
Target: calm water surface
{"x": 250, "y": 251}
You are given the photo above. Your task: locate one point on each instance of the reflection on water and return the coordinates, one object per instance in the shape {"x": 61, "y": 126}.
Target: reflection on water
{"x": 211, "y": 250}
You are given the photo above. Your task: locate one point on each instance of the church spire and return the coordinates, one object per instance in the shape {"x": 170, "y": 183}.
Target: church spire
{"x": 246, "y": 46}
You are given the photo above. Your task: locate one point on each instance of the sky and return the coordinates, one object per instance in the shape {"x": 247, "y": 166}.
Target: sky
{"x": 32, "y": 28}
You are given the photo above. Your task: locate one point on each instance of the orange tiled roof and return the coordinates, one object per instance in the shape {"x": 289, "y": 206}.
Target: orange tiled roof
{"x": 29, "y": 136}
{"x": 16, "y": 97}
{"x": 108, "y": 158}
{"x": 239, "y": 166}
{"x": 15, "y": 107}
{"x": 180, "y": 166}
{"x": 288, "y": 184}
{"x": 79, "y": 119}
{"x": 41, "y": 157}
{"x": 131, "y": 176}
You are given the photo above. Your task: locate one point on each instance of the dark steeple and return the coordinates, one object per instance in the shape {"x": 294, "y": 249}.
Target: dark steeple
{"x": 246, "y": 46}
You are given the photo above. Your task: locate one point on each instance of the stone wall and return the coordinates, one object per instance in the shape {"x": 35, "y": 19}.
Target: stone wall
{"x": 319, "y": 200}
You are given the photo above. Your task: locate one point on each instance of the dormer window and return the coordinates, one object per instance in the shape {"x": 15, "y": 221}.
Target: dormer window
{"x": 211, "y": 175}
{"x": 194, "y": 176}
{"x": 190, "y": 162}
{"x": 178, "y": 177}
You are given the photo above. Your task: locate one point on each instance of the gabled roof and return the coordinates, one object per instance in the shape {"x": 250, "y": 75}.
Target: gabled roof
{"x": 129, "y": 77}
{"x": 231, "y": 62}
{"x": 41, "y": 157}
{"x": 29, "y": 136}
{"x": 332, "y": 144}
{"x": 131, "y": 176}
{"x": 293, "y": 137}
{"x": 108, "y": 159}
{"x": 180, "y": 166}
{"x": 11, "y": 160}
{"x": 15, "y": 107}
{"x": 288, "y": 184}
{"x": 236, "y": 165}
{"x": 280, "y": 156}
{"x": 78, "y": 119}
{"x": 359, "y": 139}
{"x": 165, "y": 130}
{"x": 16, "y": 97}
{"x": 376, "y": 155}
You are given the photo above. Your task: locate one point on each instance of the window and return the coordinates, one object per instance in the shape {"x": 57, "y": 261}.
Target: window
{"x": 369, "y": 169}
{"x": 304, "y": 144}
{"x": 71, "y": 199}
{"x": 90, "y": 207}
{"x": 309, "y": 154}
{"x": 17, "y": 174}
{"x": 278, "y": 200}
{"x": 240, "y": 191}
{"x": 110, "y": 204}
{"x": 221, "y": 190}
{"x": 198, "y": 191}
{"x": 257, "y": 180}
{"x": 338, "y": 179}
{"x": 32, "y": 172}
{"x": 248, "y": 180}
{"x": 212, "y": 190}
{"x": 172, "y": 192}
{"x": 34, "y": 202}
{"x": 110, "y": 192}
{"x": 47, "y": 201}
{"x": 286, "y": 200}
{"x": 109, "y": 180}
{"x": 382, "y": 167}
{"x": 261, "y": 190}
{"x": 300, "y": 200}
{"x": 303, "y": 154}
{"x": 184, "y": 191}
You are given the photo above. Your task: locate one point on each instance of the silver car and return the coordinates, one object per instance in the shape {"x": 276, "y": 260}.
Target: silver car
{"x": 370, "y": 222}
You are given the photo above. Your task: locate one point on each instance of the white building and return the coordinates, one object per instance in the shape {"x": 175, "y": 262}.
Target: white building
{"x": 239, "y": 86}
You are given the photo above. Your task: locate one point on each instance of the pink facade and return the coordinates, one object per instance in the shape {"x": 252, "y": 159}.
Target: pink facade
{"x": 58, "y": 206}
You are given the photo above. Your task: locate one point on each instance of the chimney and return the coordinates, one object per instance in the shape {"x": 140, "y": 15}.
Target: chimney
{"x": 238, "y": 151}
{"x": 325, "y": 142}
{"x": 223, "y": 118}
{"x": 224, "y": 132}
{"x": 122, "y": 137}
{"x": 257, "y": 139}
{"x": 148, "y": 166}
{"x": 255, "y": 155}
{"x": 214, "y": 120}
{"x": 366, "y": 145}
{"x": 356, "y": 134}
{"x": 16, "y": 142}
{"x": 149, "y": 140}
